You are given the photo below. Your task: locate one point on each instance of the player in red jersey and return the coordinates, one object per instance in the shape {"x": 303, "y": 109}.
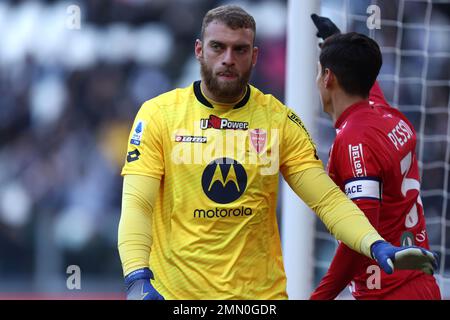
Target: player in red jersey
{"x": 373, "y": 160}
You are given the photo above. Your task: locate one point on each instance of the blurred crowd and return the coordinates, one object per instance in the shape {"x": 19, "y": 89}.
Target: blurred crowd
{"x": 68, "y": 96}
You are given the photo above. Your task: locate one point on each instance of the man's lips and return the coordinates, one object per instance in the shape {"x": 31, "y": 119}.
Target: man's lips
{"x": 227, "y": 75}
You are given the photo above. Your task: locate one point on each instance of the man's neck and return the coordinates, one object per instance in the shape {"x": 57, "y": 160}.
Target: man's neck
{"x": 342, "y": 102}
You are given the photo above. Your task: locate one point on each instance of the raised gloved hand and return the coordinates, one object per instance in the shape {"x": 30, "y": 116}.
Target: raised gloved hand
{"x": 139, "y": 287}
{"x": 325, "y": 27}
{"x": 390, "y": 258}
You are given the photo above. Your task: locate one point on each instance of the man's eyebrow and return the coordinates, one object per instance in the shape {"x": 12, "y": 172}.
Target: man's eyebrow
{"x": 216, "y": 42}
{"x": 238, "y": 45}
{"x": 242, "y": 46}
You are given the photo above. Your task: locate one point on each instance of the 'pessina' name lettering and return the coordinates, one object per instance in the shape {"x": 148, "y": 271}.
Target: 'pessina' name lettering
{"x": 400, "y": 134}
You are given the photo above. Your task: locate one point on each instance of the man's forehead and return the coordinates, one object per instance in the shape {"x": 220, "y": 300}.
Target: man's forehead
{"x": 219, "y": 31}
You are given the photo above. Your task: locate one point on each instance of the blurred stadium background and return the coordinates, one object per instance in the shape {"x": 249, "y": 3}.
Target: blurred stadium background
{"x": 68, "y": 96}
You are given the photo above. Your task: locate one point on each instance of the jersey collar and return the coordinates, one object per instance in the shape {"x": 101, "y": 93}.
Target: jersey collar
{"x": 202, "y": 99}
{"x": 347, "y": 112}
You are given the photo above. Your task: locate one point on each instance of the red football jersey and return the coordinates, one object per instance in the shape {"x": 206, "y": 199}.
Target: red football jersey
{"x": 373, "y": 161}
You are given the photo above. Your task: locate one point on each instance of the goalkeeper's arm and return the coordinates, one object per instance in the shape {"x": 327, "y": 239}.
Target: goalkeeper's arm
{"x": 135, "y": 226}
{"x": 339, "y": 214}
{"x": 349, "y": 224}
{"x": 135, "y": 235}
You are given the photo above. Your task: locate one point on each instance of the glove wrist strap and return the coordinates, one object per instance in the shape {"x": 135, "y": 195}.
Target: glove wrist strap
{"x": 144, "y": 273}
{"x": 372, "y": 247}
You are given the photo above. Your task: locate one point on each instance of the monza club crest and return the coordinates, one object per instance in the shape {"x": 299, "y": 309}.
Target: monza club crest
{"x": 258, "y": 139}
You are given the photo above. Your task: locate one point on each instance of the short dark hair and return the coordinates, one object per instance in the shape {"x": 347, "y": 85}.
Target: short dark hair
{"x": 355, "y": 59}
{"x": 233, "y": 16}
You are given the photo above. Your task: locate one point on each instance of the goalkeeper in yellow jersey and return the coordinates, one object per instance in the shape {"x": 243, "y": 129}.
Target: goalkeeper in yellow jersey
{"x": 201, "y": 180}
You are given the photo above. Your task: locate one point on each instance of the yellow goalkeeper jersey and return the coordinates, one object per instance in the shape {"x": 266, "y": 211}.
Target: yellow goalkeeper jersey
{"x": 215, "y": 233}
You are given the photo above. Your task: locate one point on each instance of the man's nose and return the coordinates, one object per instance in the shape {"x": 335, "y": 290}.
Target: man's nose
{"x": 228, "y": 58}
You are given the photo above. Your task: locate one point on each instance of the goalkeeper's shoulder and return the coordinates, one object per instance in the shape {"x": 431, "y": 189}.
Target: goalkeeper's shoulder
{"x": 268, "y": 101}
{"x": 167, "y": 100}
{"x": 274, "y": 106}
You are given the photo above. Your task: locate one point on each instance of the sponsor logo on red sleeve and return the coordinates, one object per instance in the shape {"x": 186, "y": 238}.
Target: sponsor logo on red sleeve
{"x": 356, "y": 154}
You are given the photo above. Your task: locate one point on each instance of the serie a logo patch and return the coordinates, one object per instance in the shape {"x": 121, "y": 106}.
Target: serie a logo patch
{"x": 137, "y": 133}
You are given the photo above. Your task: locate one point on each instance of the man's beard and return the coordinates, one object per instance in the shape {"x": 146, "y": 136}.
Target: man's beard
{"x": 224, "y": 90}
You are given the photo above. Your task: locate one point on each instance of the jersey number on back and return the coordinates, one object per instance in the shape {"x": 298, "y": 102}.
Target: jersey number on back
{"x": 410, "y": 184}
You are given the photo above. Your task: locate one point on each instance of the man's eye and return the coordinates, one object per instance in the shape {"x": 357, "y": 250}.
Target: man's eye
{"x": 242, "y": 50}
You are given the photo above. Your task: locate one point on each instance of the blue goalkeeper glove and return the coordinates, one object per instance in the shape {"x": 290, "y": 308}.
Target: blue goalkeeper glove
{"x": 390, "y": 257}
{"x": 139, "y": 287}
{"x": 325, "y": 27}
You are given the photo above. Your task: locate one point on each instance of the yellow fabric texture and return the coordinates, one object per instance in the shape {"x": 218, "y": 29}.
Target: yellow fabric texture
{"x": 214, "y": 227}
{"x": 135, "y": 226}
{"x": 340, "y": 215}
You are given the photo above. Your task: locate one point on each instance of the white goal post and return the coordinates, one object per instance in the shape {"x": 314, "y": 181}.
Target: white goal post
{"x": 297, "y": 223}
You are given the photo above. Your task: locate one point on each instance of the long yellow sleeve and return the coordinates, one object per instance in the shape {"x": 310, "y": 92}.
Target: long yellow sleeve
{"x": 340, "y": 215}
{"x": 135, "y": 226}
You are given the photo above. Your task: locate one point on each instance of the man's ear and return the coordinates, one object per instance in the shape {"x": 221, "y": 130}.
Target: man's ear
{"x": 255, "y": 56}
{"x": 198, "y": 49}
{"x": 328, "y": 78}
